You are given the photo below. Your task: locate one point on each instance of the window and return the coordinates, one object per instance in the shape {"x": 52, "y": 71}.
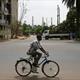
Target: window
{"x": 9, "y": 0}
{"x": 1, "y": 27}
{"x": 8, "y": 18}
{"x": 0, "y": 5}
{"x": 0, "y": 16}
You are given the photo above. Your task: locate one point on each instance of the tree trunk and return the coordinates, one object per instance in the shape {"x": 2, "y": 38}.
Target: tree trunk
{"x": 78, "y": 19}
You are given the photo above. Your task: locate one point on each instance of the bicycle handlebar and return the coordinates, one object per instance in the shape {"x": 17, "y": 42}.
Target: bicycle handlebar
{"x": 45, "y": 56}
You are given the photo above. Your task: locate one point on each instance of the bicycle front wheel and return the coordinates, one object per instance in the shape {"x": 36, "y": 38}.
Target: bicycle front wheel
{"x": 50, "y": 68}
{"x": 23, "y": 67}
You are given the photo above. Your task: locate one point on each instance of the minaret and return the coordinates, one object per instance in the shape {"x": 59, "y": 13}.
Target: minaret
{"x": 42, "y": 21}
{"x": 51, "y": 21}
{"x": 46, "y": 22}
{"x": 32, "y": 21}
{"x": 58, "y": 14}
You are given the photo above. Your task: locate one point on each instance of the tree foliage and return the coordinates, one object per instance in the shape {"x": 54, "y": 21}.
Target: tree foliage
{"x": 70, "y": 4}
{"x": 69, "y": 25}
{"x": 26, "y": 29}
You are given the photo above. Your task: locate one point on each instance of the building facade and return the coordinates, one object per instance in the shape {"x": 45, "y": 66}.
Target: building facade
{"x": 8, "y": 16}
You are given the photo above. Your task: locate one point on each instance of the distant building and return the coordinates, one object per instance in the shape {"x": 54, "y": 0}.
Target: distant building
{"x": 8, "y": 16}
{"x": 58, "y": 14}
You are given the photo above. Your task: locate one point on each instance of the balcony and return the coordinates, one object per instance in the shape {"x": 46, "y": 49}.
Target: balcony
{"x": 0, "y": 9}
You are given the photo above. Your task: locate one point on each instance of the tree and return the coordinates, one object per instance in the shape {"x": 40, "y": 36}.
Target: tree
{"x": 14, "y": 29}
{"x": 38, "y": 29}
{"x": 26, "y": 29}
{"x": 45, "y": 28}
{"x": 52, "y": 29}
{"x": 70, "y": 4}
{"x": 69, "y": 25}
{"x": 71, "y": 17}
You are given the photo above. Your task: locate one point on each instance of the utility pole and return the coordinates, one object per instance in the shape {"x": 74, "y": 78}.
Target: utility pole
{"x": 58, "y": 14}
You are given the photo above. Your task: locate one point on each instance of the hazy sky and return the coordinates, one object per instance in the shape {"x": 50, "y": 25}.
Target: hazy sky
{"x": 42, "y": 8}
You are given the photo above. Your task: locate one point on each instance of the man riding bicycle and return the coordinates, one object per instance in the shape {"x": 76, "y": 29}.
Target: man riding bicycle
{"x": 35, "y": 45}
{"x": 24, "y": 66}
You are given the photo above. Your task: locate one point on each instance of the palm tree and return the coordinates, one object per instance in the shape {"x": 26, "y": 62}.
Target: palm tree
{"x": 70, "y": 4}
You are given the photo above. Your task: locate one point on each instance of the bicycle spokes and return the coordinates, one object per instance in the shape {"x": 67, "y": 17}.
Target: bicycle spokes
{"x": 23, "y": 68}
{"x": 50, "y": 68}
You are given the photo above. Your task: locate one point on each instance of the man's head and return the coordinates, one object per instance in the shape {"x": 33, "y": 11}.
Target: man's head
{"x": 39, "y": 37}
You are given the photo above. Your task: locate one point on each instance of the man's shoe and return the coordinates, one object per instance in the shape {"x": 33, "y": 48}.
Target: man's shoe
{"x": 37, "y": 66}
{"x": 35, "y": 72}
{"x": 34, "y": 69}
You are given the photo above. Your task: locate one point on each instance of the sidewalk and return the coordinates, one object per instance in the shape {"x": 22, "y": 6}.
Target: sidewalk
{"x": 18, "y": 38}
{"x": 4, "y": 40}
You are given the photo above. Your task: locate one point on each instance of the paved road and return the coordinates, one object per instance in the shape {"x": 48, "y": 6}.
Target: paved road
{"x": 66, "y": 53}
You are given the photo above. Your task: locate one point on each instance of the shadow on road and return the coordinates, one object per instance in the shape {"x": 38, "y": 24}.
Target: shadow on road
{"x": 35, "y": 77}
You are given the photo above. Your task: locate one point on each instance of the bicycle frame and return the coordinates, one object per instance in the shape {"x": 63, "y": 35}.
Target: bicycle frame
{"x": 44, "y": 60}
{"x": 30, "y": 60}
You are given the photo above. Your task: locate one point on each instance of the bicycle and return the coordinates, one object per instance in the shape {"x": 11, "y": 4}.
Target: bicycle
{"x": 49, "y": 68}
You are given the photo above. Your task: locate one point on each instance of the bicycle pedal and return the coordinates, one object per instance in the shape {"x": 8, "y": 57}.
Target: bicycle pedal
{"x": 34, "y": 72}
{"x": 37, "y": 66}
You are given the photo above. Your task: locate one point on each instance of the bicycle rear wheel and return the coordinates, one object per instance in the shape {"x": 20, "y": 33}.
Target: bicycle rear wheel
{"x": 23, "y": 67}
{"x": 50, "y": 68}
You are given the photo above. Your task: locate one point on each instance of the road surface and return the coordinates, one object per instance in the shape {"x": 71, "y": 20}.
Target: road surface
{"x": 65, "y": 52}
